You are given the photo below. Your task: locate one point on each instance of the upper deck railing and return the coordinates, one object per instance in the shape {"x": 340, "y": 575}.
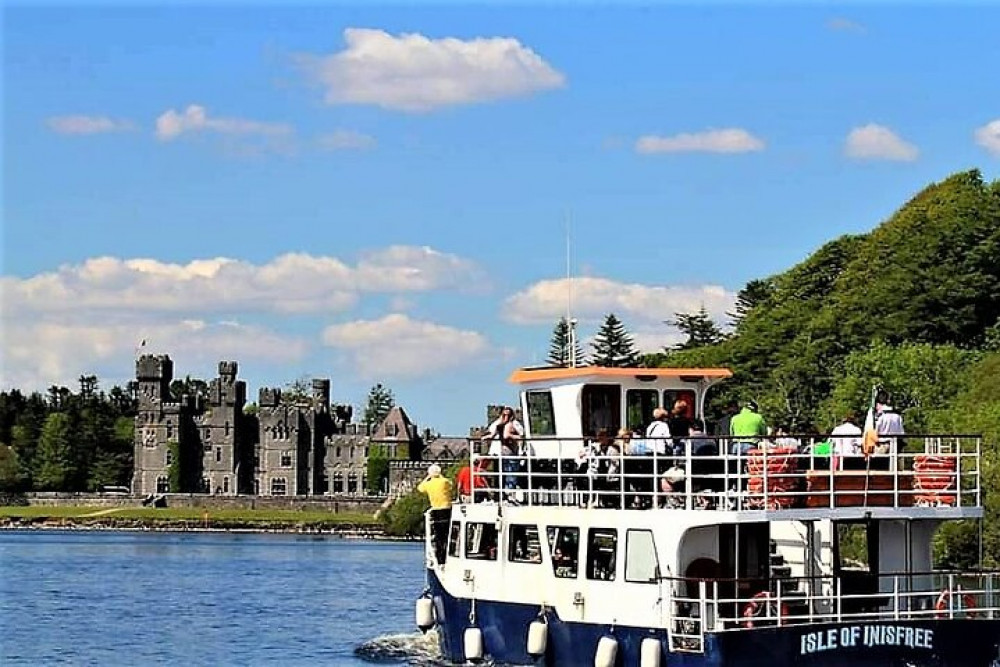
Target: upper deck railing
{"x": 709, "y": 473}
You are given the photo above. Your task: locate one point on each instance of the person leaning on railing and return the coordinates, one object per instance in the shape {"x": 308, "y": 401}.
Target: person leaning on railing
{"x": 439, "y": 491}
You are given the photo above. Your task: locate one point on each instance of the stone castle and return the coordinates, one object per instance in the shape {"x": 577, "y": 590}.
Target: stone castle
{"x": 208, "y": 444}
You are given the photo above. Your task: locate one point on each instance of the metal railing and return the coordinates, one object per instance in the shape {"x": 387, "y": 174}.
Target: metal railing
{"x": 715, "y": 605}
{"x": 791, "y": 473}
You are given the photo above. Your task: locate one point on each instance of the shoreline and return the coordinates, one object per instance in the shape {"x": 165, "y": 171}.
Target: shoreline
{"x": 375, "y": 533}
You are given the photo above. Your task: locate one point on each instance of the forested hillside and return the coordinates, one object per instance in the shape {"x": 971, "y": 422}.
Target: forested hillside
{"x": 913, "y": 305}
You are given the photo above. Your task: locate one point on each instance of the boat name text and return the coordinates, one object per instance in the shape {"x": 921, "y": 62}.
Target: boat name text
{"x": 866, "y": 635}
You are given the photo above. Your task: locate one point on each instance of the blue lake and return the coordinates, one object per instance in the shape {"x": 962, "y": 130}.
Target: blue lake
{"x": 109, "y": 598}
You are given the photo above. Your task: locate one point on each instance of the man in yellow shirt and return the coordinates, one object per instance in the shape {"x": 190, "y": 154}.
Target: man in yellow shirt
{"x": 439, "y": 491}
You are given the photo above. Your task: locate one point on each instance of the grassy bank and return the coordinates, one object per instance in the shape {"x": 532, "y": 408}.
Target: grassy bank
{"x": 185, "y": 518}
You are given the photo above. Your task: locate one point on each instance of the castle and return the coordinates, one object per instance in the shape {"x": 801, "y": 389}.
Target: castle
{"x": 208, "y": 444}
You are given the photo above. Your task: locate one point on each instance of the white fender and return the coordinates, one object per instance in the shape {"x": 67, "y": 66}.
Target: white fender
{"x": 607, "y": 651}
{"x": 473, "y": 644}
{"x": 538, "y": 637}
{"x": 425, "y": 614}
{"x": 649, "y": 653}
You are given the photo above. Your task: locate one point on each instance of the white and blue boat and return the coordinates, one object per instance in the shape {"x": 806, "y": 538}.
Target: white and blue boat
{"x": 773, "y": 556}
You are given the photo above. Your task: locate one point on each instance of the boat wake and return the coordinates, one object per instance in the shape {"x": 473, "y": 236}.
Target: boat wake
{"x": 409, "y": 649}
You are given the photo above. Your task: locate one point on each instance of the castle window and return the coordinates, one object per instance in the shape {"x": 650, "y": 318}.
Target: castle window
{"x": 286, "y": 459}
{"x": 256, "y": 487}
{"x": 225, "y": 485}
{"x": 162, "y": 484}
{"x": 208, "y": 433}
{"x": 366, "y": 452}
{"x": 338, "y": 452}
{"x": 352, "y": 451}
{"x": 170, "y": 431}
{"x": 256, "y": 461}
{"x": 338, "y": 483}
{"x": 218, "y": 454}
{"x": 279, "y": 486}
{"x": 170, "y": 456}
{"x": 352, "y": 483}
{"x": 227, "y": 429}
{"x": 206, "y": 486}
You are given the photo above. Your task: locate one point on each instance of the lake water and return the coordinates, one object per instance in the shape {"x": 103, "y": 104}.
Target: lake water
{"x": 115, "y": 598}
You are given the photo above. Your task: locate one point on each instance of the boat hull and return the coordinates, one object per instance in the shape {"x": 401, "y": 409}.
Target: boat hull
{"x": 970, "y": 642}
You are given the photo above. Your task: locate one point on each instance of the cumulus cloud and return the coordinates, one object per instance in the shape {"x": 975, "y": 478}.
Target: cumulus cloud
{"x": 293, "y": 282}
{"x": 88, "y": 124}
{"x": 988, "y": 136}
{"x": 593, "y": 298}
{"x": 398, "y": 346}
{"x": 411, "y": 72}
{"x": 41, "y": 353}
{"x": 878, "y": 142}
{"x": 841, "y": 24}
{"x": 172, "y": 124}
{"x": 346, "y": 140}
{"x": 728, "y": 140}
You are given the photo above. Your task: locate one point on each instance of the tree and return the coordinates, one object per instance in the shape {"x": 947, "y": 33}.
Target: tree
{"x": 380, "y": 401}
{"x": 296, "y": 392}
{"x": 755, "y": 293}
{"x": 559, "y": 347}
{"x": 378, "y": 469}
{"x": 699, "y": 329}
{"x": 613, "y": 344}
{"x": 405, "y": 517}
{"x": 188, "y": 386}
{"x": 12, "y": 474}
{"x": 54, "y": 459}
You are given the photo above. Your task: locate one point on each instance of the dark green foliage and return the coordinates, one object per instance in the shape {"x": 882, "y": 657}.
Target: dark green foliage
{"x": 296, "y": 392}
{"x": 699, "y": 328}
{"x": 378, "y": 469}
{"x": 175, "y": 471}
{"x": 188, "y": 387}
{"x": 380, "y": 401}
{"x": 754, "y": 294}
{"x": 12, "y": 474}
{"x": 613, "y": 345}
{"x": 54, "y": 460}
{"x": 560, "y": 346}
{"x": 405, "y": 518}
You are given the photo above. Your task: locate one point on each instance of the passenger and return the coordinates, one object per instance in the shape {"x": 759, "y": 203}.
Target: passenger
{"x": 658, "y": 439}
{"x": 888, "y": 425}
{"x": 607, "y": 472}
{"x": 722, "y": 428}
{"x": 745, "y": 428}
{"x": 523, "y": 452}
{"x": 501, "y": 434}
{"x": 465, "y": 485}
{"x": 707, "y": 470}
{"x": 672, "y": 488}
{"x": 680, "y": 425}
{"x": 439, "y": 490}
{"x": 846, "y": 440}
{"x": 782, "y": 439}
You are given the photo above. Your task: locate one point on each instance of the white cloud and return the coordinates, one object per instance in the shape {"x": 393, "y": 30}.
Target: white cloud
{"x": 294, "y": 282}
{"x": 593, "y": 298}
{"x": 172, "y": 124}
{"x": 411, "y": 72}
{"x": 841, "y": 24}
{"x": 346, "y": 140}
{"x": 878, "y": 142}
{"x": 728, "y": 140}
{"x": 988, "y": 136}
{"x": 41, "y": 353}
{"x": 88, "y": 124}
{"x": 397, "y": 346}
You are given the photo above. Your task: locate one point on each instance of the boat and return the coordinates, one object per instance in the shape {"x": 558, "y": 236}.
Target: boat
{"x": 766, "y": 554}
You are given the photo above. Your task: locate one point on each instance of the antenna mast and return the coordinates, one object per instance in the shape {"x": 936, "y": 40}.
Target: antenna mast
{"x": 570, "y": 322}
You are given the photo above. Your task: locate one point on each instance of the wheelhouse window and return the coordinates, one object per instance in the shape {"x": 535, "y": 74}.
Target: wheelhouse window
{"x": 601, "y": 408}
{"x": 602, "y": 545}
{"x": 639, "y": 406}
{"x": 523, "y": 545}
{"x": 481, "y": 541}
{"x": 640, "y": 557}
{"x": 455, "y": 538}
{"x": 541, "y": 416}
{"x": 564, "y": 550}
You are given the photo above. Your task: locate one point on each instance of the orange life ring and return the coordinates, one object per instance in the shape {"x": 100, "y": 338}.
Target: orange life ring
{"x": 757, "y": 604}
{"x": 968, "y": 604}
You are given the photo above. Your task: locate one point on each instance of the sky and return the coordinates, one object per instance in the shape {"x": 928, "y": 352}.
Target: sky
{"x": 390, "y": 193}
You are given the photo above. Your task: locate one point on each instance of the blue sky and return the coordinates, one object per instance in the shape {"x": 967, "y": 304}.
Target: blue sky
{"x": 382, "y": 193}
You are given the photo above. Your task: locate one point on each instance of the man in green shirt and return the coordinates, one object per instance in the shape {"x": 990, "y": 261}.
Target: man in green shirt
{"x": 746, "y": 427}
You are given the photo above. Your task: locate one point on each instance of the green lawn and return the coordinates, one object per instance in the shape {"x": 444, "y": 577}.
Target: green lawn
{"x": 170, "y": 514}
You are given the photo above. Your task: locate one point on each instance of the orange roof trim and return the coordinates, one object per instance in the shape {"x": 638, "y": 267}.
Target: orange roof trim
{"x": 525, "y": 375}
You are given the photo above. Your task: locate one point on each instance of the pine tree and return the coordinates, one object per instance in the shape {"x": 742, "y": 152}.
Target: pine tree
{"x": 53, "y": 461}
{"x": 699, "y": 329}
{"x": 559, "y": 348}
{"x": 613, "y": 344}
{"x": 751, "y": 296}
{"x": 380, "y": 401}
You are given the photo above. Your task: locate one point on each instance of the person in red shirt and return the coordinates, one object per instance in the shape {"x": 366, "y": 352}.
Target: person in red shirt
{"x": 464, "y": 480}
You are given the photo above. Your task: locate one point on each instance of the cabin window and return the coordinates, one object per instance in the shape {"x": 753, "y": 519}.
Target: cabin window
{"x": 639, "y": 406}
{"x": 602, "y": 544}
{"x": 600, "y": 408}
{"x": 857, "y": 546}
{"x": 541, "y": 417}
{"x": 481, "y": 541}
{"x": 523, "y": 545}
{"x": 640, "y": 557}
{"x": 564, "y": 546}
{"x": 455, "y": 538}
{"x": 671, "y": 396}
